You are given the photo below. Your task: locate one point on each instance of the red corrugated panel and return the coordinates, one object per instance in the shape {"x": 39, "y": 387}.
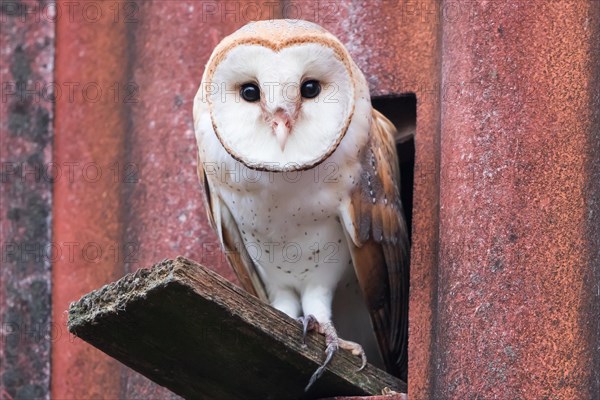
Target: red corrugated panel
{"x": 91, "y": 123}
{"x": 518, "y": 293}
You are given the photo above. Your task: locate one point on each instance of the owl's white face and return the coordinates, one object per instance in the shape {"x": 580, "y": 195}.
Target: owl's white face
{"x": 280, "y": 110}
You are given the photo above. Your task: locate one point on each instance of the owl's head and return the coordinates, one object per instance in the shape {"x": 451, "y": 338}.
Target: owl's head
{"x": 280, "y": 94}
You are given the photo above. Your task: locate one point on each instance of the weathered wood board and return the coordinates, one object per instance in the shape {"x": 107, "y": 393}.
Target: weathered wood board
{"x": 190, "y": 330}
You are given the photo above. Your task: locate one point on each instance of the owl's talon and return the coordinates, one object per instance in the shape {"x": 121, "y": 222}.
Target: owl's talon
{"x": 357, "y": 350}
{"x": 364, "y": 362}
{"x": 333, "y": 344}
{"x": 330, "y": 350}
{"x": 309, "y": 323}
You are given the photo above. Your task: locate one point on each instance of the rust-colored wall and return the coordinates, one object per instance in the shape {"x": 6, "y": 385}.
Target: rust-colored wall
{"x": 518, "y": 282}
{"x": 504, "y": 292}
{"x": 90, "y": 127}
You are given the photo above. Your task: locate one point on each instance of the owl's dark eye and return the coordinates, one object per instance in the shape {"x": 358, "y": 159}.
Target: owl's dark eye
{"x": 250, "y": 92}
{"x": 310, "y": 89}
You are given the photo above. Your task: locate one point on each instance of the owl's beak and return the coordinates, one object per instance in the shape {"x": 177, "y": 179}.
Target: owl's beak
{"x": 281, "y": 127}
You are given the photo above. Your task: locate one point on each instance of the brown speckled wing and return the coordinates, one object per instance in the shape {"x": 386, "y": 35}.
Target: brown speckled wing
{"x": 222, "y": 221}
{"x": 380, "y": 250}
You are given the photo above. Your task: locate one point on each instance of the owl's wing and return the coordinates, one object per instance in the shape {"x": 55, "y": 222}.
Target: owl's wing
{"x": 378, "y": 240}
{"x": 224, "y": 224}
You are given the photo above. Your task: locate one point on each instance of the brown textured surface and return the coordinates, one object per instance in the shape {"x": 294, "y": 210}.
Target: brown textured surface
{"x": 26, "y": 332}
{"x": 518, "y": 296}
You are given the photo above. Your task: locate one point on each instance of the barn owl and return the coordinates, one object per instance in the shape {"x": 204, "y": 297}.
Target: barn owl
{"x": 301, "y": 181}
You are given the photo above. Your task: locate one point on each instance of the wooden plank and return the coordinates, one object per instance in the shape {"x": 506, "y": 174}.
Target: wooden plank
{"x": 190, "y": 330}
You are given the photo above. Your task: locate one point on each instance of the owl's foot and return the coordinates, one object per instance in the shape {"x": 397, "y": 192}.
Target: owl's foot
{"x": 333, "y": 344}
